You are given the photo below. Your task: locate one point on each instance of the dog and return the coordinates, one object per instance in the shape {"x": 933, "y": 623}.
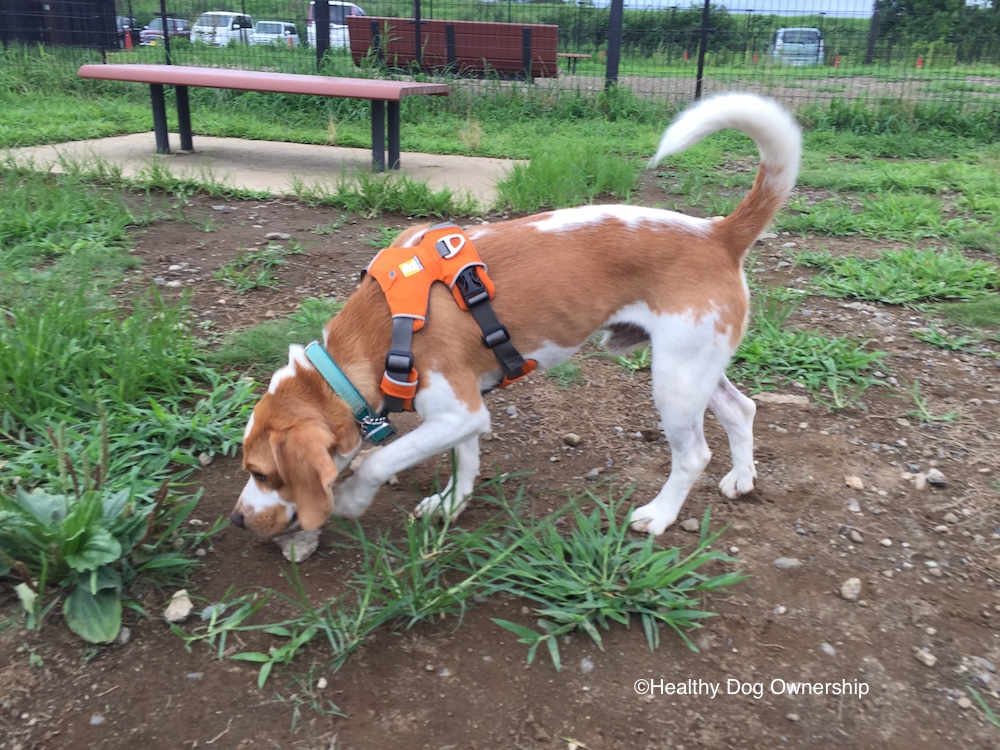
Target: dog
{"x": 638, "y": 274}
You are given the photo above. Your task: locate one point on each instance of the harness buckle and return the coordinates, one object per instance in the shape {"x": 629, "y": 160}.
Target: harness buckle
{"x": 399, "y": 362}
{"x": 497, "y": 336}
{"x": 471, "y": 288}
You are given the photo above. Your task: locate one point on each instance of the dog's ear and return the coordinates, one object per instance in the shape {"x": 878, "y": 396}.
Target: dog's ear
{"x": 307, "y": 468}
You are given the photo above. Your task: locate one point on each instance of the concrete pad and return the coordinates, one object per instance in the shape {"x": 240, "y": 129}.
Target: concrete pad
{"x": 268, "y": 166}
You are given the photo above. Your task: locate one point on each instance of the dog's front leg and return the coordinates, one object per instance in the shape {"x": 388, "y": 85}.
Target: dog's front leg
{"x": 448, "y": 422}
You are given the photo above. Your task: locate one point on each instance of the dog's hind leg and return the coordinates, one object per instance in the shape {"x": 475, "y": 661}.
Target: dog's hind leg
{"x": 735, "y": 413}
{"x": 451, "y": 501}
{"x": 687, "y": 363}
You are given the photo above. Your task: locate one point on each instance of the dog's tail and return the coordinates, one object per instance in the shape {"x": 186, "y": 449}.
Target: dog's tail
{"x": 780, "y": 144}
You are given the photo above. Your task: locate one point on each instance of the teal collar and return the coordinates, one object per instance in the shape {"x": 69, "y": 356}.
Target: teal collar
{"x": 374, "y": 427}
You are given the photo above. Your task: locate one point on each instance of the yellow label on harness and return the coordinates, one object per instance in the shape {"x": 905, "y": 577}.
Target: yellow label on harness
{"x": 411, "y": 267}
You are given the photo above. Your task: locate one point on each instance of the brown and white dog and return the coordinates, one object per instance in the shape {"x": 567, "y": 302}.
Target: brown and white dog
{"x": 639, "y": 274}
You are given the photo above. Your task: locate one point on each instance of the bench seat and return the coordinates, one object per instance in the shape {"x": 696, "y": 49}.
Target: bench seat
{"x": 379, "y": 92}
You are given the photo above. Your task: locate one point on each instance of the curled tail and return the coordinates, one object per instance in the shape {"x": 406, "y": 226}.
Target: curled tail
{"x": 778, "y": 139}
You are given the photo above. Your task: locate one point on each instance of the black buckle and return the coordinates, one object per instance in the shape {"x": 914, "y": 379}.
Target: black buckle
{"x": 399, "y": 362}
{"x": 497, "y": 336}
{"x": 471, "y": 288}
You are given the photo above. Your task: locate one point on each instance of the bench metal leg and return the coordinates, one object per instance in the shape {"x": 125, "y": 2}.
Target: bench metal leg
{"x": 184, "y": 118}
{"x": 378, "y": 135}
{"x": 159, "y": 118}
{"x": 393, "y": 135}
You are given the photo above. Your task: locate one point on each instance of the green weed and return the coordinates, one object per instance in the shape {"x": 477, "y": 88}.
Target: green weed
{"x": 254, "y": 269}
{"x": 566, "y": 374}
{"x": 923, "y": 412}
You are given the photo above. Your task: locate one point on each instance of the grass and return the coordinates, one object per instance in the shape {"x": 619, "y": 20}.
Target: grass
{"x": 254, "y": 269}
{"x": 903, "y": 276}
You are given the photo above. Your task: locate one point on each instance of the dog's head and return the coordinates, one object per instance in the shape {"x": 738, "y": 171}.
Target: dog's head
{"x": 297, "y": 441}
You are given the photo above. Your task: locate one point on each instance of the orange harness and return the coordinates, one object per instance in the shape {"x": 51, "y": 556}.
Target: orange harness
{"x": 406, "y": 275}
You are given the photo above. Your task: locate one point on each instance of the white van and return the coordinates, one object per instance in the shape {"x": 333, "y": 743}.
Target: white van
{"x": 797, "y": 46}
{"x": 220, "y": 27}
{"x": 338, "y": 26}
{"x": 269, "y": 32}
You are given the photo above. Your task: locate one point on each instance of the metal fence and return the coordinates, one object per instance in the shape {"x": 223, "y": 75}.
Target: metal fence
{"x": 797, "y": 50}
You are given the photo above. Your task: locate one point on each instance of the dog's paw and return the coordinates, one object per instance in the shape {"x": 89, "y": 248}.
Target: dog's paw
{"x": 439, "y": 505}
{"x": 349, "y": 501}
{"x": 649, "y": 519}
{"x": 735, "y": 483}
{"x": 298, "y": 546}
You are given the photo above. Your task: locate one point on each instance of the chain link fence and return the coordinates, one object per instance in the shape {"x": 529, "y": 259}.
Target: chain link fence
{"x": 796, "y": 50}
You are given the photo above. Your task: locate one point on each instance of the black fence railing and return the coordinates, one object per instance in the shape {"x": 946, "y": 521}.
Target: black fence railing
{"x": 798, "y": 50}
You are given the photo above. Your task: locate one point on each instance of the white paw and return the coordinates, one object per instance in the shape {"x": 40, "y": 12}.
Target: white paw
{"x": 650, "y": 519}
{"x": 298, "y": 546}
{"x": 439, "y": 505}
{"x": 349, "y": 500}
{"x": 736, "y": 484}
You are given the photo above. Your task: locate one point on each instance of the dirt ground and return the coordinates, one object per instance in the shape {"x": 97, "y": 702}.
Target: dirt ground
{"x": 926, "y": 625}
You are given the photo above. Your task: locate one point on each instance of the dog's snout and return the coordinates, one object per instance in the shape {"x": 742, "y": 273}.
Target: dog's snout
{"x": 237, "y": 519}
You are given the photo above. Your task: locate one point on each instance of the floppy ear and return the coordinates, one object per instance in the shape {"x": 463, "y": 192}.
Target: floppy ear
{"x": 303, "y": 456}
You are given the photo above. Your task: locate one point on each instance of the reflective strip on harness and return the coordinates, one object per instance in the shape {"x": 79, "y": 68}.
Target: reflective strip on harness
{"x": 406, "y": 275}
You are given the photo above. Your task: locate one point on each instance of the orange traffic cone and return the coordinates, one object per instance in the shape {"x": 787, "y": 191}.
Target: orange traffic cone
{"x": 836, "y": 61}
{"x": 686, "y": 55}
{"x": 128, "y": 39}
{"x": 920, "y": 62}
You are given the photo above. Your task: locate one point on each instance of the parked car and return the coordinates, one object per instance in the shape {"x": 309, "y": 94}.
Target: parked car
{"x": 338, "y": 26}
{"x": 266, "y": 32}
{"x": 127, "y": 25}
{"x": 153, "y": 32}
{"x": 220, "y": 27}
{"x": 797, "y": 46}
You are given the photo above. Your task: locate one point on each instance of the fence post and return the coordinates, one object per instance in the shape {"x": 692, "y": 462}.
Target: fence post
{"x": 702, "y": 45}
{"x": 166, "y": 30}
{"x": 872, "y": 34}
{"x": 614, "y": 43}
{"x": 418, "y": 50}
{"x": 321, "y": 17}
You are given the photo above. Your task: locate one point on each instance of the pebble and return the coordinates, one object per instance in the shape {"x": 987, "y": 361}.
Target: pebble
{"x": 302, "y": 544}
{"x": 277, "y": 236}
{"x": 925, "y": 657}
{"x": 204, "y": 459}
{"x": 593, "y": 474}
{"x": 321, "y": 683}
{"x": 856, "y": 537}
{"x": 572, "y": 439}
{"x": 769, "y": 397}
{"x": 691, "y": 524}
{"x": 887, "y": 542}
{"x": 964, "y": 703}
{"x": 179, "y": 608}
{"x": 854, "y": 482}
{"x": 123, "y": 637}
{"x": 937, "y": 478}
{"x": 780, "y": 609}
{"x": 511, "y": 411}
{"x": 793, "y": 717}
{"x": 853, "y": 505}
{"x": 787, "y": 563}
{"x": 96, "y": 720}
{"x": 586, "y": 665}
{"x": 950, "y": 518}
{"x": 827, "y": 649}
{"x": 850, "y": 589}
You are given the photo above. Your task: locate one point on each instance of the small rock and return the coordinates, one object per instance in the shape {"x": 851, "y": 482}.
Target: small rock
{"x": 204, "y": 459}
{"x": 175, "y": 267}
{"x": 195, "y": 675}
{"x": 983, "y": 663}
{"x": 888, "y": 574}
{"x": 950, "y": 517}
{"x": 855, "y": 536}
{"x": 301, "y": 544}
{"x": 428, "y": 667}
{"x": 511, "y": 411}
{"x": 174, "y": 284}
{"x": 593, "y": 474}
{"x": 936, "y": 478}
{"x": 886, "y": 542}
{"x": 96, "y": 720}
{"x": 827, "y": 649}
{"x": 159, "y": 280}
{"x": 795, "y": 718}
{"x": 179, "y": 608}
{"x": 853, "y": 505}
{"x": 964, "y": 703}
{"x": 222, "y": 208}
{"x": 586, "y": 665}
{"x": 691, "y": 524}
{"x": 277, "y": 236}
{"x": 123, "y": 637}
{"x": 920, "y": 481}
{"x": 780, "y": 609}
{"x": 854, "y": 482}
{"x": 925, "y": 657}
{"x": 851, "y": 589}
{"x": 770, "y": 397}
{"x": 572, "y": 439}
{"x": 321, "y": 683}
{"x": 787, "y": 563}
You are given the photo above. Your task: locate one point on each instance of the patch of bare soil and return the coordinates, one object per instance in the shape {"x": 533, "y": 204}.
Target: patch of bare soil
{"x": 926, "y": 624}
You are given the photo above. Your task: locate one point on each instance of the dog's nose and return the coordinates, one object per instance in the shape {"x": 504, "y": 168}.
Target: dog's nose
{"x": 237, "y": 519}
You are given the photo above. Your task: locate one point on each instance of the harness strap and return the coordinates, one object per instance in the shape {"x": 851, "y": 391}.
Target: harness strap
{"x": 399, "y": 382}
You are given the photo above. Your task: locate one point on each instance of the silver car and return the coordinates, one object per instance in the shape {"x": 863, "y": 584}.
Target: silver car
{"x": 797, "y": 46}
{"x": 266, "y": 32}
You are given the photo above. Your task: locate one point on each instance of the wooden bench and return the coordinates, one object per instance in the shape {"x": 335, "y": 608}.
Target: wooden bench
{"x": 573, "y": 58}
{"x": 520, "y": 50}
{"x": 379, "y": 93}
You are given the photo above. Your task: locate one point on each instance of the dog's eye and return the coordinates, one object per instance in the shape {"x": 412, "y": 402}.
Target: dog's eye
{"x": 259, "y": 477}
